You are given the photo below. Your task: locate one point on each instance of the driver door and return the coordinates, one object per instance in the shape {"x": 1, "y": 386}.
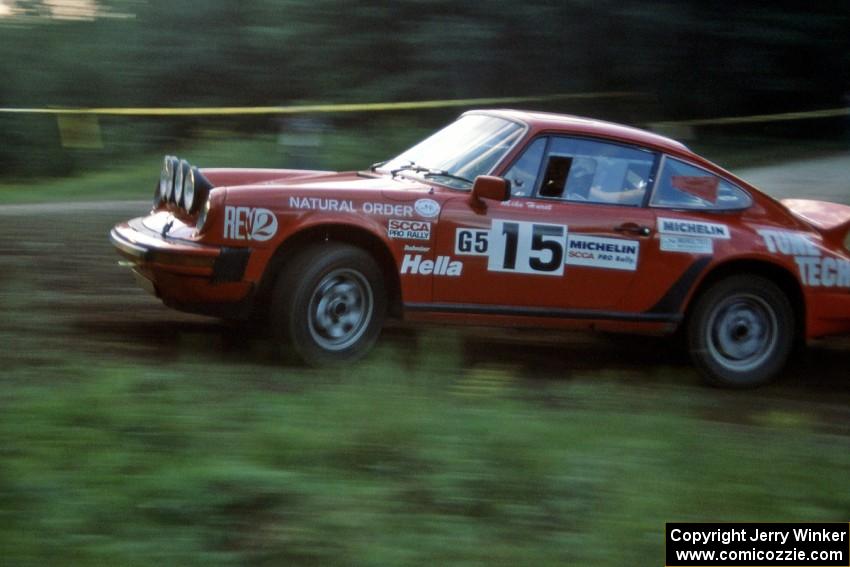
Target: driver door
{"x": 569, "y": 241}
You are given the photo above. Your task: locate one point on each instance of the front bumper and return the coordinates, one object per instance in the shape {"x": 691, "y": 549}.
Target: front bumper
{"x": 185, "y": 275}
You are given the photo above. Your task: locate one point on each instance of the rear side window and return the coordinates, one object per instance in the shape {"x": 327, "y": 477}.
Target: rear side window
{"x": 685, "y": 186}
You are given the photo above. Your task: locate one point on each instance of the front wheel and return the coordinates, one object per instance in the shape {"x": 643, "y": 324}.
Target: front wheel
{"x": 329, "y": 304}
{"x": 741, "y": 332}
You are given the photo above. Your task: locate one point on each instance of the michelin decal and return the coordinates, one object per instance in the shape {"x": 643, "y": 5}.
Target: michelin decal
{"x": 543, "y": 249}
{"x": 685, "y": 227}
{"x": 596, "y": 252}
{"x": 816, "y": 270}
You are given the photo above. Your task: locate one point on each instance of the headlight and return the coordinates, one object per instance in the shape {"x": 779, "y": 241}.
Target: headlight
{"x": 189, "y": 189}
{"x": 202, "y": 216}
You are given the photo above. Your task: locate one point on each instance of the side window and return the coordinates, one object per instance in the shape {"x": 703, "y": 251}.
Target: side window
{"x": 684, "y": 186}
{"x": 523, "y": 173}
{"x": 596, "y": 172}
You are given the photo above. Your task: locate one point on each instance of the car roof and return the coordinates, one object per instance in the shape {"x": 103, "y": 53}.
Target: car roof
{"x": 546, "y": 121}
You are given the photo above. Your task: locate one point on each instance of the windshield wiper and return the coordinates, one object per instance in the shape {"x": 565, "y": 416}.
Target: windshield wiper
{"x": 429, "y": 172}
{"x": 444, "y": 173}
{"x": 377, "y": 164}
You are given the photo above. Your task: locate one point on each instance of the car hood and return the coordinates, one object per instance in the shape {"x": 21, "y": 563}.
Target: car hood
{"x": 340, "y": 185}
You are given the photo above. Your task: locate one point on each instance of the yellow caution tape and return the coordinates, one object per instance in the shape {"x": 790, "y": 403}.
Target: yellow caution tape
{"x": 315, "y": 108}
{"x": 826, "y": 113}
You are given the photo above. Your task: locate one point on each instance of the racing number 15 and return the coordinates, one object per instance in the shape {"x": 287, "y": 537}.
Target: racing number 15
{"x": 528, "y": 248}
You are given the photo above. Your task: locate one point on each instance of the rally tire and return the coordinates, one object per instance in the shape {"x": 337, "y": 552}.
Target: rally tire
{"x": 328, "y": 304}
{"x": 740, "y": 332}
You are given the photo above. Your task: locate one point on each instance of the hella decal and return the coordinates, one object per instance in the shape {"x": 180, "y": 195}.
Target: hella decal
{"x": 427, "y": 208}
{"x": 684, "y": 227}
{"x": 409, "y": 229}
{"x": 246, "y": 223}
{"x": 815, "y": 269}
{"x": 442, "y": 266}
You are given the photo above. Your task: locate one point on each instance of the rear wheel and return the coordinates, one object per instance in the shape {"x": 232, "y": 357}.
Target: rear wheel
{"x": 741, "y": 332}
{"x": 329, "y": 304}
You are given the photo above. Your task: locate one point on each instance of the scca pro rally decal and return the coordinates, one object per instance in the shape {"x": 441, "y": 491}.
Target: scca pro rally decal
{"x": 684, "y": 227}
{"x": 409, "y": 229}
{"x": 815, "y": 269}
{"x": 596, "y": 252}
{"x": 245, "y": 223}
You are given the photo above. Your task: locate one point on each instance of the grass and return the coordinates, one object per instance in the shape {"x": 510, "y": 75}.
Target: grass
{"x": 409, "y": 458}
{"x": 113, "y": 464}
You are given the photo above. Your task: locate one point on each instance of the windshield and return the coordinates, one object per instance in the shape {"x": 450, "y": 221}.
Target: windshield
{"x": 463, "y": 150}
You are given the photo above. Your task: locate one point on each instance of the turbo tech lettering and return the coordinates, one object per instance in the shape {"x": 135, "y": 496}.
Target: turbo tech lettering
{"x": 595, "y": 252}
{"x": 442, "y": 266}
{"x": 686, "y": 227}
{"x": 409, "y": 229}
{"x": 246, "y": 223}
{"x": 816, "y": 270}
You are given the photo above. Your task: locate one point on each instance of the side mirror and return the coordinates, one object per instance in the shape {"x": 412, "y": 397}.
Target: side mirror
{"x": 489, "y": 187}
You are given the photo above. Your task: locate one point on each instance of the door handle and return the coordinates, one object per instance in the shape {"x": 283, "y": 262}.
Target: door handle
{"x": 633, "y": 228}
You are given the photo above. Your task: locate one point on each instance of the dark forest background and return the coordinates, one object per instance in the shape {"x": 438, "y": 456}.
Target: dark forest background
{"x": 685, "y": 59}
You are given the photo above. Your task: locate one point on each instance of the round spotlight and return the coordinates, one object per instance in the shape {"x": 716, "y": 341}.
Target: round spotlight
{"x": 202, "y": 216}
{"x": 189, "y": 190}
{"x": 169, "y": 195}
{"x": 175, "y": 193}
{"x": 166, "y": 178}
{"x": 186, "y": 171}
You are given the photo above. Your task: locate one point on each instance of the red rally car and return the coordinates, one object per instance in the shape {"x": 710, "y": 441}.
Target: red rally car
{"x": 504, "y": 218}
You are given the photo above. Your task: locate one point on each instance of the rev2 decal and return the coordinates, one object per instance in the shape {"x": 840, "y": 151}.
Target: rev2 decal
{"x": 245, "y": 223}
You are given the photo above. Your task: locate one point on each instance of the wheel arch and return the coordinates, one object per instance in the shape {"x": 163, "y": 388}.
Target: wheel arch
{"x": 342, "y": 233}
{"x": 780, "y": 275}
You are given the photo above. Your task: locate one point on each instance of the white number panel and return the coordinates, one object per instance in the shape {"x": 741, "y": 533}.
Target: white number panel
{"x": 527, "y": 248}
